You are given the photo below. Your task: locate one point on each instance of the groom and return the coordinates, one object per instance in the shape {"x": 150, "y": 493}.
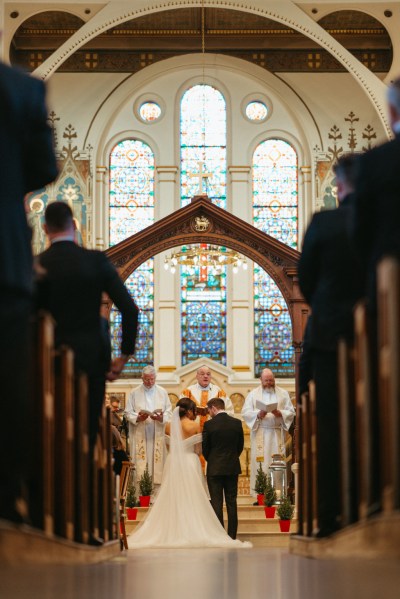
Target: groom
{"x": 223, "y": 442}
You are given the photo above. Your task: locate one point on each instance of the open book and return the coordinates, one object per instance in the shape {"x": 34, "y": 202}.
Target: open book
{"x": 154, "y": 413}
{"x": 266, "y": 407}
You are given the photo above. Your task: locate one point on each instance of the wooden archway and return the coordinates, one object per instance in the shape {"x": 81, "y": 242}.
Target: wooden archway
{"x": 203, "y": 222}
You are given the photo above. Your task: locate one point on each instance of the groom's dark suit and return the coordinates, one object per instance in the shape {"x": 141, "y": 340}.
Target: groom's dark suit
{"x": 223, "y": 443}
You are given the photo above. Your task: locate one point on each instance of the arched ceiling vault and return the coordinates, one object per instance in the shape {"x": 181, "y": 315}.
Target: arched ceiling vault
{"x": 284, "y": 12}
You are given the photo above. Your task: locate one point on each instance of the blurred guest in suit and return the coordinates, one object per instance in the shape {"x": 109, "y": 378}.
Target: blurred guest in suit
{"x": 27, "y": 163}
{"x": 376, "y": 232}
{"x": 376, "y": 227}
{"x": 328, "y": 276}
{"x": 71, "y": 290}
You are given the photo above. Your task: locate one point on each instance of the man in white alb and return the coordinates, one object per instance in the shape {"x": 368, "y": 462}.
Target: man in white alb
{"x": 204, "y": 390}
{"x": 267, "y": 427}
{"x": 147, "y": 410}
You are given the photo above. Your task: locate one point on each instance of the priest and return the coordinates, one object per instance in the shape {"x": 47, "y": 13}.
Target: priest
{"x": 147, "y": 410}
{"x": 204, "y": 390}
{"x": 268, "y": 412}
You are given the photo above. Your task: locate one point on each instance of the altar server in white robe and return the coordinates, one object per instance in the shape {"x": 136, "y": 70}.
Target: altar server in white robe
{"x": 267, "y": 428}
{"x": 147, "y": 410}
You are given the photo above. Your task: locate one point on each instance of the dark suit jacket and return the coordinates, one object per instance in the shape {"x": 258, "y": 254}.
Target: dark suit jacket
{"x": 27, "y": 163}
{"x": 377, "y": 206}
{"x": 72, "y": 291}
{"x": 329, "y": 276}
{"x": 223, "y": 443}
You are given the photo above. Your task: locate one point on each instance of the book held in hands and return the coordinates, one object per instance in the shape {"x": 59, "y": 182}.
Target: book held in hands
{"x": 266, "y": 406}
{"x": 153, "y": 413}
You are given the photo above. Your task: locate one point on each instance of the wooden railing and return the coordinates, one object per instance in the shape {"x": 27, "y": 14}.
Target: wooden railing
{"x": 72, "y": 493}
{"x": 369, "y": 405}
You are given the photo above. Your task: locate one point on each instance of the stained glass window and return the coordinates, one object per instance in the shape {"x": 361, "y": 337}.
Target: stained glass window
{"x": 203, "y": 314}
{"x": 203, "y": 140}
{"x": 203, "y": 151}
{"x": 256, "y": 111}
{"x": 131, "y": 210}
{"x": 150, "y": 112}
{"x": 275, "y": 190}
{"x": 274, "y": 212}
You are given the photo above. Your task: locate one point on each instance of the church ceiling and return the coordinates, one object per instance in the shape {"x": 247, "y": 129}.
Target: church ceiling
{"x": 133, "y": 45}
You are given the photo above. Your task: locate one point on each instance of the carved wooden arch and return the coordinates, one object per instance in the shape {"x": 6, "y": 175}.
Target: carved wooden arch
{"x": 203, "y": 222}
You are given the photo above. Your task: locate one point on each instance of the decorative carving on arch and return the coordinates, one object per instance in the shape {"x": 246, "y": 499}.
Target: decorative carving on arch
{"x": 201, "y": 221}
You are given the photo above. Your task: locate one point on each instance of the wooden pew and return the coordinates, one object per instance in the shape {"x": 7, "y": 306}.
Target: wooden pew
{"x": 82, "y": 459}
{"x": 347, "y": 423}
{"x": 388, "y": 276}
{"x": 305, "y": 467}
{"x": 126, "y": 473}
{"x": 64, "y": 445}
{"x": 41, "y": 505}
{"x": 364, "y": 415}
{"x": 313, "y": 455}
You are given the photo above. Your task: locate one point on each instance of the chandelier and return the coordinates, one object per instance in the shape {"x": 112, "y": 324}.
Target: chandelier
{"x": 205, "y": 256}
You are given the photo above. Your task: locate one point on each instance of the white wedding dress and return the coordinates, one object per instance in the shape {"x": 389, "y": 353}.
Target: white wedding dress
{"x": 182, "y": 515}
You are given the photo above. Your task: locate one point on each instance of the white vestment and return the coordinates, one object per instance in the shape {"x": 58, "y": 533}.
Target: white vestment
{"x": 147, "y": 438}
{"x": 267, "y": 436}
{"x": 195, "y": 392}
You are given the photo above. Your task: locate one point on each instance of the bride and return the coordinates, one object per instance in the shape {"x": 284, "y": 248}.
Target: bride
{"x": 182, "y": 515}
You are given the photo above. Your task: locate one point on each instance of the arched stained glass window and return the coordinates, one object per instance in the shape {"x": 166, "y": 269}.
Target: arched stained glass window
{"x": 275, "y": 209}
{"x": 203, "y": 140}
{"x": 203, "y": 158}
{"x": 275, "y": 190}
{"x": 131, "y": 210}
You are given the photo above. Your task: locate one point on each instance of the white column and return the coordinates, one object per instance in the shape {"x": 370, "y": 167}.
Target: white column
{"x": 240, "y": 312}
{"x": 100, "y": 237}
{"x": 166, "y": 302}
{"x": 167, "y": 182}
{"x": 240, "y": 317}
{"x": 239, "y": 191}
{"x": 305, "y": 201}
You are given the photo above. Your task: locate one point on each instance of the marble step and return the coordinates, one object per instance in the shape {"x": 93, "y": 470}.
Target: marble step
{"x": 253, "y": 527}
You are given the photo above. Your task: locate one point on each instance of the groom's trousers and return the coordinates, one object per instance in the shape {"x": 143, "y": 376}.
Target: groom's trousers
{"x": 219, "y": 486}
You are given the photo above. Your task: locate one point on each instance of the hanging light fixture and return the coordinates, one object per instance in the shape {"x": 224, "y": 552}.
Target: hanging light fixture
{"x": 210, "y": 256}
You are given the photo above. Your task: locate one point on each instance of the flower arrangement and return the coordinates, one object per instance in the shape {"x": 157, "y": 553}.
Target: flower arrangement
{"x": 261, "y": 481}
{"x": 269, "y": 493}
{"x": 146, "y": 483}
{"x": 285, "y": 509}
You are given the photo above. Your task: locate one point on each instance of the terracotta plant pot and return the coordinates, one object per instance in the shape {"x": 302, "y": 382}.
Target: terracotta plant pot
{"x": 269, "y": 511}
{"x": 284, "y": 525}
{"x": 131, "y": 513}
{"x": 144, "y": 500}
{"x": 260, "y": 499}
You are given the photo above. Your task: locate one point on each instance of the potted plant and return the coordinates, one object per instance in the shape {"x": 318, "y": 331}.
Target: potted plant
{"x": 259, "y": 485}
{"x": 285, "y": 513}
{"x": 269, "y": 499}
{"x": 146, "y": 488}
{"x": 131, "y": 501}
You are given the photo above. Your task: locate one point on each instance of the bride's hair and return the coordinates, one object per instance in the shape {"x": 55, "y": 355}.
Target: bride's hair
{"x": 185, "y": 405}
